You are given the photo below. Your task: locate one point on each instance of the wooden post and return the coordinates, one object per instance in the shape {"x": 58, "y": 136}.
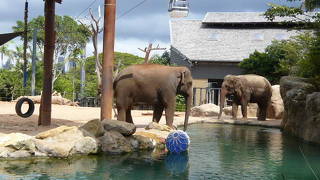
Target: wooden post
{"x": 49, "y": 45}
{"x": 34, "y": 58}
{"x": 25, "y": 44}
{"x": 108, "y": 56}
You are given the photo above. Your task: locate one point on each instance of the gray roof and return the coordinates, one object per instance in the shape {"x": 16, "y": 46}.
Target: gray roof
{"x": 240, "y": 17}
{"x": 218, "y": 44}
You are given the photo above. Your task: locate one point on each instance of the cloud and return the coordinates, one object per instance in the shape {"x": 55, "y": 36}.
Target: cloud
{"x": 130, "y": 45}
{"x": 147, "y": 23}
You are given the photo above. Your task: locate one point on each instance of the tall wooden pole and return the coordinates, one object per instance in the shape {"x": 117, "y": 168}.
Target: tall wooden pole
{"x": 34, "y": 58}
{"x": 49, "y": 44}
{"x": 108, "y": 55}
{"x": 25, "y": 44}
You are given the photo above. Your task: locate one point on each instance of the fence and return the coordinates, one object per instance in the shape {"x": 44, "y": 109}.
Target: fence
{"x": 206, "y": 95}
{"x": 200, "y": 96}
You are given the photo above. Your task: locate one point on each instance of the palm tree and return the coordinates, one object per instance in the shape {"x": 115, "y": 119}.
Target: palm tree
{"x": 4, "y": 51}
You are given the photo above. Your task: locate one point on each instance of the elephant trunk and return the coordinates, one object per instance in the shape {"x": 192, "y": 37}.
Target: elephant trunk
{"x": 223, "y": 94}
{"x": 188, "y": 100}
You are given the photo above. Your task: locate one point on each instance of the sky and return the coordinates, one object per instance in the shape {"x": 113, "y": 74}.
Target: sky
{"x": 135, "y": 28}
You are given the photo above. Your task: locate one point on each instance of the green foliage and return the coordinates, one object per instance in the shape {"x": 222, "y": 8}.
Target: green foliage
{"x": 123, "y": 60}
{"x": 297, "y": 56}
{"x": 69, "y": 34}
{"x": 309, "y": 67}
{"x": 164, "y": 59}
{"x": 10, "y": 84}
{"x": 282, "y": 11}
{"x": 180, "y": 103}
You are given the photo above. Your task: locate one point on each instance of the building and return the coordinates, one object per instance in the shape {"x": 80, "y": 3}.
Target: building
{"x": 213, "y": 47}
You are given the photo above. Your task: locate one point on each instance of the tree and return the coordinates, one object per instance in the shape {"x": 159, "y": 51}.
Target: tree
{"x": 4, "y": 51}
{"x": 148, "y": 50}
{"x": 281, "y": 58}
{"x": 309, "y": 66}
{"x": 95, "y": 30}
{"x": 70, "y": 36}
{"x": 164, "y": 59}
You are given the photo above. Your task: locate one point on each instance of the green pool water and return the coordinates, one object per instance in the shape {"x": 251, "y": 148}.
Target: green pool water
{"x": 216, "y": 152}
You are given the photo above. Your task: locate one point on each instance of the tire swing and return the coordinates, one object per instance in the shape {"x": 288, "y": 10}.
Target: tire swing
{"x": 30, "y": 109}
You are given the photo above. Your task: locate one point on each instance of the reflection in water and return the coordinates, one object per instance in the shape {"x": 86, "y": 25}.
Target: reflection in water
{"x": 216, "y": 152}
{"x": 177, "y": 163}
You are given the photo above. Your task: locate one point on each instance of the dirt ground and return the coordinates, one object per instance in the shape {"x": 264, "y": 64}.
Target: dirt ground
{"x": 67, "y": 115}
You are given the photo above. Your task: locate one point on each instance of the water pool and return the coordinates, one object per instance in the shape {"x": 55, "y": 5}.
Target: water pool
{"x": 216, "y": 152}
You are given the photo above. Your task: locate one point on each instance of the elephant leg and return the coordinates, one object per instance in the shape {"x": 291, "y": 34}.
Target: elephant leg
{"x": 234, "y": 110}
{"x": 128, "y": 116}
{"x": 157, "y": 113}
{"x": 262, "y": 114}
{"x": 170, "y": 109}
{"x": 244, "y": 110}
{"x": 121, "y": 113}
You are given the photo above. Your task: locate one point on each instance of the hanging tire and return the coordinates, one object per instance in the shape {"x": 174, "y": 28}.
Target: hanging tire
{"x": 30, "y": 109}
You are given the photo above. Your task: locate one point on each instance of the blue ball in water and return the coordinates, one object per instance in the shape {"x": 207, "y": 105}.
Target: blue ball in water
{"x": 177, "y": 141}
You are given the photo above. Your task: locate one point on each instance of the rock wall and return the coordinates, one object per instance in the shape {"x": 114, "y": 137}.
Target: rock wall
{"x": 108, "y": 136}
{"x": 301, "y": 108}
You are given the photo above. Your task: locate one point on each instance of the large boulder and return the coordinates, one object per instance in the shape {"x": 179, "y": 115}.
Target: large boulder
{"x": 114, "y": 142}
{"x": 275, "y": 109}
{"x": 67, "y": 142}
{"x": 17, "y": 141}
{"x": 124, "y": 128}
{"x": 93, "y": 128}
{"x": 205, "y": 110}
{"x": 301, "y": 108}
{"x": 53, "y": 132}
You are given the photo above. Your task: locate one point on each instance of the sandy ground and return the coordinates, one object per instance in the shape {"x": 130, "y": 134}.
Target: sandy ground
{"x": 69, "y": 116}
{"x": 77, "y": 116}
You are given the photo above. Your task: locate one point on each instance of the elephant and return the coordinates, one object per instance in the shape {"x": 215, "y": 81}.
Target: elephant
{"x": 153, "y": 84}
{"x": 246, "y": 89}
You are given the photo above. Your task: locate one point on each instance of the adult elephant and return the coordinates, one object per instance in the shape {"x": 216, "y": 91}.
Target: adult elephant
{"x": 246, "y": 89}
{"x": 152, "y": 84}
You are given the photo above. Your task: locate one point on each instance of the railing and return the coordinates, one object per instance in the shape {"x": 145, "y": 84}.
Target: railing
{"x": 206, "y": 95}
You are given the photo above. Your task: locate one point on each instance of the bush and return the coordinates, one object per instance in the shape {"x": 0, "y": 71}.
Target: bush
{"x": 282, "y": 58}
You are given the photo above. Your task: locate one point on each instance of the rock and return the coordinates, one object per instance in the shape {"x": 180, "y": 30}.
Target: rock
{"x": 54, "y": 132}
{"x": 93, "y": 127}
{"x": 17, "y": 141}
{"x": 275, "y": 109}
{"x": 86, "y": 145}
{"x": 19, "y": 154}
{"x": 205, "y": 110}
{"x": 158, "y": 136}
{"x": 67, "y": 143}
{"x": 114, "y": 142}
{"x": 312, "y": 121}
{"x": 4, "y": 152}
{"x": 124, "y": 128}
{"x": 139, "y": 142}
{"x": 160, "y": 127}
{"x": 301, "y": 108}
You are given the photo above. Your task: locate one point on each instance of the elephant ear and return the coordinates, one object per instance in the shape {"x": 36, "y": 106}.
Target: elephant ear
{"x": 238, "y": 86}
{"x": 181, "y": 75}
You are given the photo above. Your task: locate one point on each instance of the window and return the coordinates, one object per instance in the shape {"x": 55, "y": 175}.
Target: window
{"x": 215, "y": 37}
{"x": 258, "y": 37}
{"x": 281, "y": 36}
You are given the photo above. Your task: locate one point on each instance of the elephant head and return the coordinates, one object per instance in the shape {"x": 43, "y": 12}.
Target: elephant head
{"x": 185, "y": 88}
{"x": 231, "y": 85}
